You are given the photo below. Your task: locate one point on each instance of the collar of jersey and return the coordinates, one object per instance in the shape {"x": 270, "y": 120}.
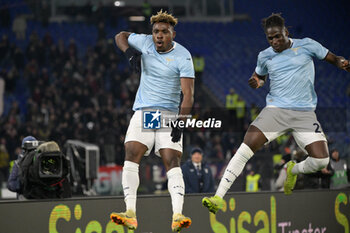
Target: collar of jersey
{"x": 291, "y": 42}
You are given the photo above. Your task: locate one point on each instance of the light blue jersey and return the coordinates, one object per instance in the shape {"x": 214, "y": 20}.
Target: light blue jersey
{"x": 160, "y": 85}
{"x": 291, "y": 74}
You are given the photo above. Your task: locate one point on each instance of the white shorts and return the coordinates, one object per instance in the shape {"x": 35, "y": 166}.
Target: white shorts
{"x": 149, "y": 137}
{"x": 306, "y": 129}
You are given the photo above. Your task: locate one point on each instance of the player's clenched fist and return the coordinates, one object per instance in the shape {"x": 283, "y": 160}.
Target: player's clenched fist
{"x": 255, "y": 82}
{"x": 345, "y": 64}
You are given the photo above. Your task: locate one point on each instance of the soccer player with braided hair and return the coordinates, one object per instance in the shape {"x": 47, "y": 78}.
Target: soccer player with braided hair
{"x": 166, "y": 70}
{"x": 290, "y": 106}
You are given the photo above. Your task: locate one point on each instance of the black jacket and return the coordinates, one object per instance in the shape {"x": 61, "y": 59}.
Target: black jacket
{"x": 192, "y": 181}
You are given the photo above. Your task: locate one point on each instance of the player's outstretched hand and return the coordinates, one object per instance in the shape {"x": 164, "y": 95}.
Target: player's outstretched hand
{"x": 345, "y": 64}
{"x": 134, "y": 59}
{"x": 176, "y": 132}
{"x": 254, "y": 82}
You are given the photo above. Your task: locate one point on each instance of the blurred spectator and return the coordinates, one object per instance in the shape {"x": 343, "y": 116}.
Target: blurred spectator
{"x": 19, "y": 27}
{"x": 19, "y": 59}
{"x": 216, "y": 150}
{"x": 286, "y": 157}
{"x": 339, "y": 178}
{"x": 101, "y": 31}
{"x": 5, "y": 50}
{"x": 229, "y": 143}
{"x": 72, "y": 50}
{"x": 199, "y": 64}
{"x": 197, "y": 174}
{"x": 5, "y": 17}
{"x": 2, "y": 93}
{"x": 98, "y": 12}
{"x": 240, "y": 117}
{"x": 231, "y": 104}
{"x": 108, "y": 138}
{"x": 319, "y": 180}
{"x": 4, "y": 163}
{"x": 10, "y": 80}
{"x": 72, "y": 10}
{"x": 253, "y": 180}
{"x": 254, "y": 112}
{"x": 13, "y": 183}
{"x": 47, "y": 40}
{"x": 44, "y": 14}
{"x": 146, "y": 10}
{"x": 87, "y": 10}
{"x": 279, "y": 183}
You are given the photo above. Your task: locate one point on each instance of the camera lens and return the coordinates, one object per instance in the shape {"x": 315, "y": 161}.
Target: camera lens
{"x": 50, "y": 165}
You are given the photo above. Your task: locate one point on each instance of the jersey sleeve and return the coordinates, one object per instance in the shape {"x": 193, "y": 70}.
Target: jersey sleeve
{"x": 186, "y": 66}
{"x": 261, "y": 68}
{"x": 315, "y": 49}
{"x": 137, "y": 41}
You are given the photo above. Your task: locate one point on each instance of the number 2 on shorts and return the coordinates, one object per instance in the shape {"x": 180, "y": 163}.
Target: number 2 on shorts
{"x": 317, "y": 130}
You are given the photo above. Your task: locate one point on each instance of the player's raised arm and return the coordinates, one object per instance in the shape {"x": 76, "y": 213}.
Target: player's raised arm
{"x": 256, "y": 81}
{"x": 121, "y": 39}
{"x": 338, "y": 61}
{"x": 133, "y": 56}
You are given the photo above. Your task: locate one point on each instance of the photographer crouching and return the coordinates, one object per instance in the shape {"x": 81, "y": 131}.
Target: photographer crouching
{"x": 41, "y": 172}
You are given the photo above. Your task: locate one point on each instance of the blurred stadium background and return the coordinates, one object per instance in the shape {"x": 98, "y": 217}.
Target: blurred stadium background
{"x": 62, "y": 77}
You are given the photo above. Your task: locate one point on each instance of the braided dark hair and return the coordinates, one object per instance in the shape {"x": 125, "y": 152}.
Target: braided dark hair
{"x": 274, "y": 20}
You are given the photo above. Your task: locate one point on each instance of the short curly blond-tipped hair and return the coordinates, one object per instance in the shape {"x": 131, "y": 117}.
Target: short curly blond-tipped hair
{"x": 163, "y": 17}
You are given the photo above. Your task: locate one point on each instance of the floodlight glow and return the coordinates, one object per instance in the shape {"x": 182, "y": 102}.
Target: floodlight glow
{"x": 119, "y": 3}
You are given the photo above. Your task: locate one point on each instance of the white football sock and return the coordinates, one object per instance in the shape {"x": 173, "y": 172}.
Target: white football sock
{"x": 130, "y": 183}
{"x": 176, "y": 187}
{"x": 234, "y": 169}
{"x": 310, "y": 165}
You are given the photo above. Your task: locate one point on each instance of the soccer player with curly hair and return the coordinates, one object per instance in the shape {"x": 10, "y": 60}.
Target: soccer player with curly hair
{"x": 290, "y": 106}
{"x": 166, "y": 70}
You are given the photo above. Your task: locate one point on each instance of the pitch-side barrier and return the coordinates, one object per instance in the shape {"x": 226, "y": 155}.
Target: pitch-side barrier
{"x": 316, "y": 211}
